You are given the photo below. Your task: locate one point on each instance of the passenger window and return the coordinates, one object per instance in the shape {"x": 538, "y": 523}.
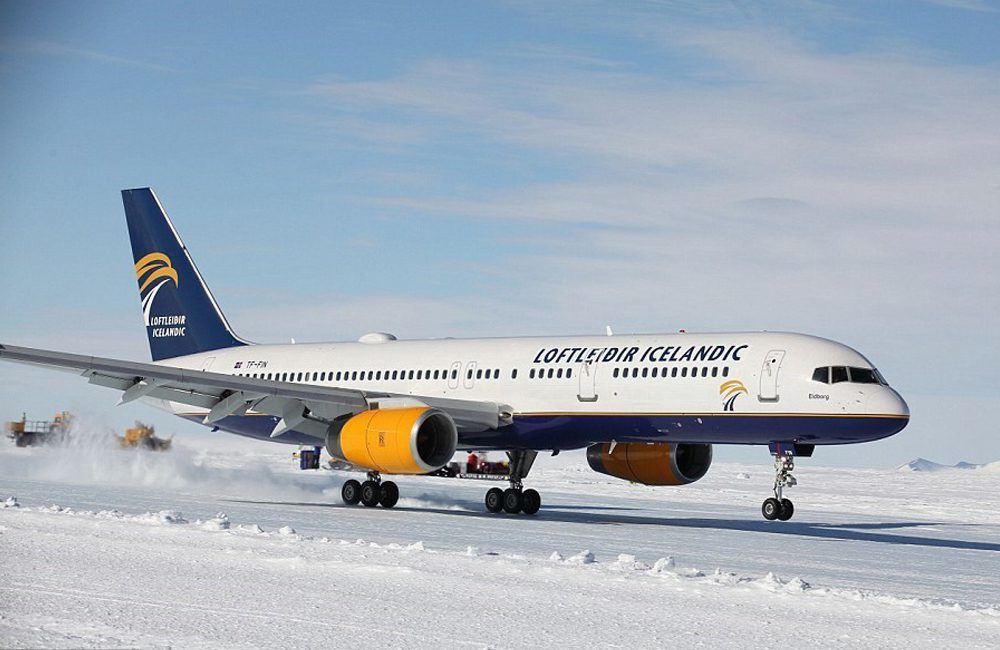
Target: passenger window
{"x": 496, "y": 374}
{"x": 673, "y": 372}
{"x": 684, "y": 372}
{"x": 614, "y": 373}
{"x": 454, "y": 374}
{"x": 411, "y": 375}
{"x": 704, "y": 371}
{"x": 838, "y": 374}
{"x": 569, "y": 373}
{"x": 715, "y": 371}
{"x": 552, "y": 371}
{"x": 645, "y": 372}
{"x": 694, "y": 372}
{"x": 822, "y": 375}
{"x": 531, "y": 374}
{"x": 655, "y": 371}
{"x": 559, "y": 373}
{"x": 479, "y": 374}
{"x": 635, "y": 372}
{"x": 513, "y": 373}
{"x": 725, "y": 371}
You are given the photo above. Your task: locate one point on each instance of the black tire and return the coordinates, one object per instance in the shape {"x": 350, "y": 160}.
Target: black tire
{"x": 351, "y": 492}
{"x": 531, "y": 501}
{"x": 388, "y": 494}
{"x": 494, "y": 500}
{"x": 787, "y": 510}
{"x": 771, "y": 508}
{"x": 513, "y": 501}
{"x": 369, "y": 494}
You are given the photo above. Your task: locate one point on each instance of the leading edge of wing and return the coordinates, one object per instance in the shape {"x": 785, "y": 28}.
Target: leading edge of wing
{"x": 207, "y": 389}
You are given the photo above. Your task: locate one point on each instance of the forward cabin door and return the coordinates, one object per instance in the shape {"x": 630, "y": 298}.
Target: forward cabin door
{"x": 769, "y": 376}
{"x": 588, "y": 385}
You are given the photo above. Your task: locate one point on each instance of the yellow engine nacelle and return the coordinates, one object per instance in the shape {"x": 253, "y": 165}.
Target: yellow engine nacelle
{"x": 413, "y": 440}
{"x": 658, "y": 463}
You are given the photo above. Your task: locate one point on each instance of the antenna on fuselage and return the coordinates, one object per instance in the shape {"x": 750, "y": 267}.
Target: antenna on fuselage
{"x": 607, "y": 328}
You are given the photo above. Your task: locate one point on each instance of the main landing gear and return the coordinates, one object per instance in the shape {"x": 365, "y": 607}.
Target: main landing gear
{"x": 516, "y": 499}
{"x": 777, "y": 507}
{"x": 371, "y": 493}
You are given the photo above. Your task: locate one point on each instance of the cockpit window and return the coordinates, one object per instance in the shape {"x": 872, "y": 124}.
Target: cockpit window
{"x": 863, "y": 376}
{"x": 837, "y": 374}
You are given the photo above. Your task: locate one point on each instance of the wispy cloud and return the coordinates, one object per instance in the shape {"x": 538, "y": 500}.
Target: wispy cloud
{"x": 50, "y": 48}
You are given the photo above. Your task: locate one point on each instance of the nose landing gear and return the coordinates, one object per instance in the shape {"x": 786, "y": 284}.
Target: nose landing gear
{"x": 778, "y": 507}
{"x": 371, "y": 493}
{"x": 516, "y": 499}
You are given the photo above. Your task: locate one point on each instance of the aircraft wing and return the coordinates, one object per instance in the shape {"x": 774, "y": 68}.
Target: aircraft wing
{"x": 303, "y": 407}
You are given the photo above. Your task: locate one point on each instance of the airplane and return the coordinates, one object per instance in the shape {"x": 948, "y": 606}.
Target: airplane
{"x": 647, "y": 408}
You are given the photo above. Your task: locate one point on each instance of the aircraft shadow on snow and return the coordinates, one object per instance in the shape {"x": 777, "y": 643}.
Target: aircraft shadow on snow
{"x": 569, "y": 514}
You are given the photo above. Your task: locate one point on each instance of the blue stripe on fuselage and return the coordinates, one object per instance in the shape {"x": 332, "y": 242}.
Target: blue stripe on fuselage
{"x": 573, "y": 431}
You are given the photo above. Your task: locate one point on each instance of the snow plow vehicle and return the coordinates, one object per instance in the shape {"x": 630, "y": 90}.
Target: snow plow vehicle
{"x": 26, "y": 433}
{"x": 143, "y": 436}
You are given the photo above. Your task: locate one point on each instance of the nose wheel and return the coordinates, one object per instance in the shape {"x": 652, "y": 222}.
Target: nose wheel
{"x": 373, "y": 492}
{"x": 778, "y": 507}
{"x": 516, "y": 499}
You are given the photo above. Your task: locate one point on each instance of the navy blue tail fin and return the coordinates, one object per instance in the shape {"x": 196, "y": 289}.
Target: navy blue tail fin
{"x": 180, "y": 313}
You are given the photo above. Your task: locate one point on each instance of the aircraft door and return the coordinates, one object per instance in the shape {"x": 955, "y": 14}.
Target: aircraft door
{"x": 470, "y": 374}
{"x": 769, "y": 376}
{"x": 588, "y": 386}
{"x": 453, "y": 373}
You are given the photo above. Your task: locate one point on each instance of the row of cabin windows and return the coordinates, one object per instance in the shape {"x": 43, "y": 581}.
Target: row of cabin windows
{"x": 487, "y": 374}
{"x": 704, "y": 371}
{"x": 551, "y": 373}
{"x": 355, "y": 375}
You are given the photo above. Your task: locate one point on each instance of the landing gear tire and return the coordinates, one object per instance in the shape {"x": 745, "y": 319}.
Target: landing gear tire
{"x": 531, "y": 501}
{"x": 388, "y": 494}
{"x": 513, "y": 501}
{"x": 369, "y": 494}
{"x": 494, "y": 500}
{"x": 351, "y": 492}
{"x": 786, "y": 511}
{"x": 771, "y": 509}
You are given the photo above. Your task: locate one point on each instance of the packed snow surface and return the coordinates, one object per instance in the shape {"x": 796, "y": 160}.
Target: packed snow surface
{"x": 223, "y": 543}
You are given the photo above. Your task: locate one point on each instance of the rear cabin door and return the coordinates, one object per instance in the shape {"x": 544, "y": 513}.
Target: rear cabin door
{"x": 769, "y": 376}
{"x": 456, "y": 370}
{"x": 588, "y": 386}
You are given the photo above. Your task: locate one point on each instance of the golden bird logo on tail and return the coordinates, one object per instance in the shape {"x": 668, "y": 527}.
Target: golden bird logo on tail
{"x": 153, "y": 267}
{"x": 729, "y": 391}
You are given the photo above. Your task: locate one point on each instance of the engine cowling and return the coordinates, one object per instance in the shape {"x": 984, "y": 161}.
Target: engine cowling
{"x": 413, "y": 440}
{"x": 658, "y": 463}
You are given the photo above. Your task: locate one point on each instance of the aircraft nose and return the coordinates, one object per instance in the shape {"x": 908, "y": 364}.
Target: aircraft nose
{"x": 886, "y": 401}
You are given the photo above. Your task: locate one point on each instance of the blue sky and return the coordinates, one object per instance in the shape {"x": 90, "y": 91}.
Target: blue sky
{"x": 467, "y": 169}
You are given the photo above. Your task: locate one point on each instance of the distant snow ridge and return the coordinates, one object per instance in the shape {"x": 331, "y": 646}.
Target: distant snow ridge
{"x": 924, "y": 465}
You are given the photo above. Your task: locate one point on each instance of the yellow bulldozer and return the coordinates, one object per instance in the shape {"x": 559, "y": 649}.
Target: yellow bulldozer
{"x": 143, "y": 436}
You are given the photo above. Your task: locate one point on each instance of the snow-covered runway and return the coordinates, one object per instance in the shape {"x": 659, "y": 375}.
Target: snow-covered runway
{"x": 112, "y": 548}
